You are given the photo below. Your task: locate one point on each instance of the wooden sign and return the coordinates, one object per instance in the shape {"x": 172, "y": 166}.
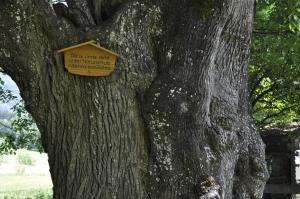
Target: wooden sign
{"x": 89, "y": 59}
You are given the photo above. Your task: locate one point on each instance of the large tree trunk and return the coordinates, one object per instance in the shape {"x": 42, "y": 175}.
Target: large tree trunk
{"x": 174, "y": 113}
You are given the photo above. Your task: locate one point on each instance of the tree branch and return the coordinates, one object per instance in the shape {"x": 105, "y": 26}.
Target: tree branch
{"x": 256, "y": 84}
{"x": 257, "y": 110}
{"x": 27, "y": 28}
{"x": 6, "y": 126}
{"x": 263, "y": 122}
{"x": 272, "y": 32}
{"x": 262, "y": 94}
{"x": 30, "y": 33}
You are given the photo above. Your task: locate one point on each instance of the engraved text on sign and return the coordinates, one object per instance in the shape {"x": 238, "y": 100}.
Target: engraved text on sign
{"x": 89, "y": 59}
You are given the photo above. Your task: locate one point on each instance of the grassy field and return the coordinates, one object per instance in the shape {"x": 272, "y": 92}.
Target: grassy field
{"x": 25, "y": 176}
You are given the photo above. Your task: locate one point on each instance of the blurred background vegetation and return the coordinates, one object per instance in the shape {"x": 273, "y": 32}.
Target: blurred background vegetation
{"x": 274, "y": 70}
{"x": 17, "y": 128}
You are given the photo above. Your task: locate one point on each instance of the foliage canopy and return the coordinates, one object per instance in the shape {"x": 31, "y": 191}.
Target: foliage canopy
{"x": 18, "y": 131}
{"x": 274, "y": 68}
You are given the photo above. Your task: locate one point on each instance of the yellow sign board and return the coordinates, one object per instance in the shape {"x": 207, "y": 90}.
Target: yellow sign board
{"x": 89, "y": 59}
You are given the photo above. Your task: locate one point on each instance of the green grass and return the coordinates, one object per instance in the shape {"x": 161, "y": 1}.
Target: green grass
{"x": 27, "y": 194}
{"x": 25, "y": 187}
{"x": 24, "y": 182}
{"x": 18, "y": 181}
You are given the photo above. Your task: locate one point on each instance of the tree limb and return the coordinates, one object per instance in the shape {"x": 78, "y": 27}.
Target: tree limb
{"x": 262, "y": 94}
{"x": 6, "y": 126}
{"x": 263, "y": 122}
{"x": 256, "y": 84}
{"x": 272, "y": 32}
{"x": 20, "y": 23}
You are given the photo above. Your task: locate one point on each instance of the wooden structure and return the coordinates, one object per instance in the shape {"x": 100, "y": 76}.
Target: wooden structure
{"x": 280, "y": 156}
{"x": 89, "y": 59}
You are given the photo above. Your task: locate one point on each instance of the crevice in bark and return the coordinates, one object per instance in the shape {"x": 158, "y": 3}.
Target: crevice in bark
{"x": 102, "y": 10}
{"x": 89, "y": 13}
{"x": 76, "y": 16}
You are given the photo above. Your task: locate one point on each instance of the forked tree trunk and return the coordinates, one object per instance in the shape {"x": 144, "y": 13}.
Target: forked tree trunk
{"x": 173, "y": 114}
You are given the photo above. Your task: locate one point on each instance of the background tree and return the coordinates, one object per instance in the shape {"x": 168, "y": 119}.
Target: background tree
{"x": 17, "y": 127}
{"x": 274, "y": 68}
{"x": 173, "y": 114}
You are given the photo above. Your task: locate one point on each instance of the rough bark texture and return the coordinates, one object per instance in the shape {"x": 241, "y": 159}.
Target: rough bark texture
{"x": 172, "y": 116}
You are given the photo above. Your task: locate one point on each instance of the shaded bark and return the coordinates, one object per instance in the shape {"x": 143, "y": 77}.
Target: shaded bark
{"x": 174, "y": 113}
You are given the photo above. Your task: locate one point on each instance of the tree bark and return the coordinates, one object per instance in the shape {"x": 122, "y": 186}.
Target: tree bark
{"x": 172, "y": 116}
